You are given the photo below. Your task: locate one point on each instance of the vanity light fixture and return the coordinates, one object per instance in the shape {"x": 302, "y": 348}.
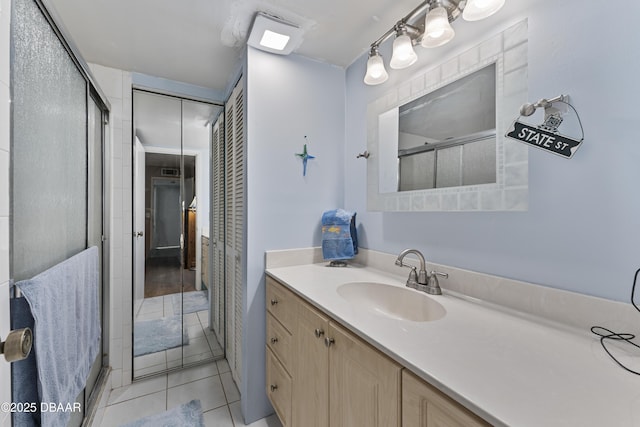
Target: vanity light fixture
{"x": 275, "y": 35}
{"x": 428, "y": 24}
{"x": 437, "y": 29}
{"x": 376, "y": 73}
{"x": 403, "y": 54}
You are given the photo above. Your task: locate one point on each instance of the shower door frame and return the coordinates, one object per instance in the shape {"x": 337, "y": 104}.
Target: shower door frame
{"x": 95, "y": 98}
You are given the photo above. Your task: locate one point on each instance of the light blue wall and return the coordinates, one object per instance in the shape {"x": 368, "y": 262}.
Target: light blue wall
{"x": 286, "y": 99}
{"x": 581, "y": 232}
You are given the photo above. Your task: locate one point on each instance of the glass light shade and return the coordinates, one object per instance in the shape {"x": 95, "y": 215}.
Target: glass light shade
{"x": 476, "y": 10}
{"x": 376, "y": 73}
{"x": 437, "y": 30}
{"x": 403, "y": 53}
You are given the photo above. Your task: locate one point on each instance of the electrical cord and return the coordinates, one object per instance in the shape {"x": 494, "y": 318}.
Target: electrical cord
{"x": 606, "y": 334}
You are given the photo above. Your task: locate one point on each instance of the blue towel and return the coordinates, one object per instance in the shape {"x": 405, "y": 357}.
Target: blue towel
{"x": 24, "y": 373}
{"x": 339, "y": 236}
{"x": 64, "y": 302}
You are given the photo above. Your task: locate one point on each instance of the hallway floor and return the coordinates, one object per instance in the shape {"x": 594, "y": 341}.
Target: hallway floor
{"x": 203, "y": 342}
{"x": 165, "y": 275}
{"x": 211, "y": 383}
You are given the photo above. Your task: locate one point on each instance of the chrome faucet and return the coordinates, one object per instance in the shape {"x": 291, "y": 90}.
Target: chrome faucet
{"x": 420, "y": 280}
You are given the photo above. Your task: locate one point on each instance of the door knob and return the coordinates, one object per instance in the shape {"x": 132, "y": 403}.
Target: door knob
{"x": 274, "y": 301}
{"x": 328, "y": 341}
{"x": 138, "y": 233}
{"x": 318, "y": 332}
{"x": 18, "y": 345}
{"x": 274, "y": 340}
{"x": 273, "y": 387}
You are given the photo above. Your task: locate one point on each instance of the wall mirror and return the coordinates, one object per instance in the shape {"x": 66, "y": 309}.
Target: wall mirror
{"x": 446, "y": 138}
{"x": 437, "y": 141}
{"x": 173, "y": 300}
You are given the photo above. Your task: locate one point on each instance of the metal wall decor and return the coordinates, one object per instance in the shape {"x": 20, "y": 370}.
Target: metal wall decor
{"x": 546, "y": 136}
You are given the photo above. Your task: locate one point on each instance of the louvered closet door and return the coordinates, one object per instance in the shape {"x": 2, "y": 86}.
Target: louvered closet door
{"x": 234, "y": 235}
{"x": 217, "y": 235}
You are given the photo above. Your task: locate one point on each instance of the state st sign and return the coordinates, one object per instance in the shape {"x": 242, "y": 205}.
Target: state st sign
{"x": 549, "y": 141}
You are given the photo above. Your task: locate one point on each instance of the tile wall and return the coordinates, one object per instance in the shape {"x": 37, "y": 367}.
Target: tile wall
{"x": 5, "y": 370}
{"x": 116, "y": 84}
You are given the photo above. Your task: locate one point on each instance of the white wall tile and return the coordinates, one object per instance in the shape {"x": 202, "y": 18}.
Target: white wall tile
{"x": 109, "y": 80}
{"x": 516, "y": 34}
{"x": 517, "y": 175}
{"x": 4, "y": 251}
{"x": 5, "y": 16}
{"x": 516, "y": 57}
{"x": 491, "y": 47}
{"x": 516, "y": 81}
{"x": 432, "y": 78}
{"x": 4, "y": 183}
{"x": 469, "y": 201}
{"x": 469, "y": 58}
{"x": 5, "y": 117}
{"x": 404, "y": 92}
{"x": 450, "y": 69}
{"x": 450, "y": 202}
{"x": 417, "y": 86}
{"x": 5, "y": 323}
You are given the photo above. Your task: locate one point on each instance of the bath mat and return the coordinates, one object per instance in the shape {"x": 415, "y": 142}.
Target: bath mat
{"x": 152, "y": 336}
{"x": 190, "y": 301}
{"x": 185, "y": 415}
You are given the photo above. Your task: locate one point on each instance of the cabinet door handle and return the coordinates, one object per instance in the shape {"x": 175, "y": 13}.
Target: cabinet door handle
{"x": 273, "y": 387}
{"x": 274, "y": 340}
{"x": 274, "y": 301}
{"x": 328, "y": 341}
{"x": 318, "y": 332}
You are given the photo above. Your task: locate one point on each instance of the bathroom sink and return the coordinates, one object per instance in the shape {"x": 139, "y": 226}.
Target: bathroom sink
{"x": 392, "y": 301}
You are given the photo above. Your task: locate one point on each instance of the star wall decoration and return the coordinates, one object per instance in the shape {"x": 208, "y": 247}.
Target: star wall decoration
{"x": 305, "y": 156}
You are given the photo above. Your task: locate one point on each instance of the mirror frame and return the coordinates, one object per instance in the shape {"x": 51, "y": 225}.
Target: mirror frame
{"x": 509, "y": 51}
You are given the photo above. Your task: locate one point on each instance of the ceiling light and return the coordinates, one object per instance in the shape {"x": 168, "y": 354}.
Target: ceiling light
{"x": 437, "y": 16}
{"x": 376, "y": 73}
{"x": 274, "y": 35}
{"x": 274, "y": 40}
{"x": 476, "y": 10}
{"x": 437, "y": 30}
{"x": 403, "y": 53}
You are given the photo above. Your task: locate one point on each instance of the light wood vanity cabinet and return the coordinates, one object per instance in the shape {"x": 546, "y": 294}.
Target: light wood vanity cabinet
{"x": 364, "y": 384}
{"x": 321, "y": 375}
{"x": 424, "y": 406}
{"x": 282, "y": 308}
{"x": 311, "y": 385}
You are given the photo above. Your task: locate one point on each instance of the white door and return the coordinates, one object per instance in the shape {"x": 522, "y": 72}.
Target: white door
{"x": 138, "y": 223}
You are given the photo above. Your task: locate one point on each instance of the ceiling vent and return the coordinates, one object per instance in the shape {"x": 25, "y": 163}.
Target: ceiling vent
{"x": 169, "y": 172}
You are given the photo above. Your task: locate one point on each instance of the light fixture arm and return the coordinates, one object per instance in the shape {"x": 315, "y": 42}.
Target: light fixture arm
{"x": 412, "y": 31}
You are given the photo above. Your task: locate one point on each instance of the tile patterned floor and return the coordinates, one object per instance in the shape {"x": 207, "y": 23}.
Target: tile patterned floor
{"x": 203, "y": 343}
{"x": 211, "y": 383}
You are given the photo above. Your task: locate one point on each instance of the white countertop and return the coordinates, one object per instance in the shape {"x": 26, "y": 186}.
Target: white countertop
{"x": 509, "y": 369}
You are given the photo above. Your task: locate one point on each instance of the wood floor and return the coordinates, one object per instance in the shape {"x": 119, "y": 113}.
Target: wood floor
{"x": 164, "y": 276}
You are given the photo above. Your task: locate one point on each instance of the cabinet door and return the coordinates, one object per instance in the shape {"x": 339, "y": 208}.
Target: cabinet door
{"x": 424, "y": 406}
{"x": 279, "y": 387}
{"x": 364, "y": 384}
{"x": 281, "y": 303}
{"x": 204, "y": 262}
{"x": 311, "y": 371}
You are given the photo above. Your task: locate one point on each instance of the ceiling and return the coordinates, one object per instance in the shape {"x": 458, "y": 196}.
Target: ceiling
{"x": 201, "y": 41}
{"x": 168, "y": 124}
